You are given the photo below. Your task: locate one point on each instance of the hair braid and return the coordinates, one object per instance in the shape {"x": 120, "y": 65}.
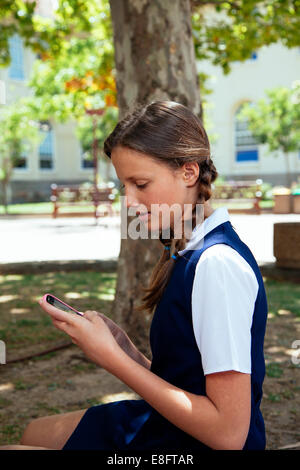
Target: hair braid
{"x": 170, "y": 133}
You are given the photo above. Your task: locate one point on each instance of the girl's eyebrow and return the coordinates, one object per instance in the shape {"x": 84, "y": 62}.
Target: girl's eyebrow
{"x": 133, "y": 178}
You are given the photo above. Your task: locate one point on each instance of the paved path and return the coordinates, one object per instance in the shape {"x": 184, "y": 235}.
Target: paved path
{"x": 47, "y": 239}
{"x": 257, "y": 232}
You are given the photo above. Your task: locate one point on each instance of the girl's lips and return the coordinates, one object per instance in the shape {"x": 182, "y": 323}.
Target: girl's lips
{"x": 144, "y": 216}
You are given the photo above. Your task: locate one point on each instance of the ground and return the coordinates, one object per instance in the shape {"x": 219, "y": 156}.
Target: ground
{"x": 65, "y": 381}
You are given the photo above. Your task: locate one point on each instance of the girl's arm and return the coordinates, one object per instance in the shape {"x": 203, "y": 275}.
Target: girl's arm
{"x": 220, "y": 419}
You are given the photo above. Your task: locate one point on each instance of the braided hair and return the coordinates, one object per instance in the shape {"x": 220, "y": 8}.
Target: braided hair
{"x": 172, "y": 134}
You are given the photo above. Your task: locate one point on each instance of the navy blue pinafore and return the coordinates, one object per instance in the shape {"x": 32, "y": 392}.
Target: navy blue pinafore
{"x": 134, "y": 424}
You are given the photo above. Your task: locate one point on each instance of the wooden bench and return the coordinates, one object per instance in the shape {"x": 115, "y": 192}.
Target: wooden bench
{"x": 232, "y": 192}
{"x": 76, "y": 195}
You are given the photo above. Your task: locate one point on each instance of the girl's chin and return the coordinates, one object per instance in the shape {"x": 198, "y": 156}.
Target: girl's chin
{"x": 153, "y": 223}
{"x": 150, "y": 224}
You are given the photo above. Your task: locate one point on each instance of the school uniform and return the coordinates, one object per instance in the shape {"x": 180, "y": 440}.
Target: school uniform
{"x": 211, "y": 318}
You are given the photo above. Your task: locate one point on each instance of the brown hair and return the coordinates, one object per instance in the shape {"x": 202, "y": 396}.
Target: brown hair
{"x": 172, "y": 134}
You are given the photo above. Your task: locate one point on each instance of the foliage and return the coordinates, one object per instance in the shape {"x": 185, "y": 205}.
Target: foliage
{"x": 266, "y": 191}
{"x": 75, "y": 66}
{"x": 276, "y": 120}
{"x": 75, "y": 47}
{"x": 104, "y": 124}
{"x": 18, "y": 133}
{"x": 46, "y": 36}
{"x": 238, "y": 28}
{"x": 80, "y": 76}
{"x": 16, "y": 17}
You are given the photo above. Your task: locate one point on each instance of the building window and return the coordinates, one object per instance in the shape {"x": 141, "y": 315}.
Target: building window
{"x": 246, "y": 146}
{"x": 46, "y": 146}
{"x": 21, "y": 163}
{"x": 16, "y": 68}
{"x": 87, "y": 161}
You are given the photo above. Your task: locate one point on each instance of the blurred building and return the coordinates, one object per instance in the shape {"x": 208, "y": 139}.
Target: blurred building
{"x": 59, "y": 158}
{"x": 235, "y": 151}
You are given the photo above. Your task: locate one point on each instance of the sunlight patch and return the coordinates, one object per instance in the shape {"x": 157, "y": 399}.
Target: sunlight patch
{"x": 7, "y": 298}
{"x": 7, "y": 386}
{"x": 73, "y": 295}
{"x": 106, "y": 296}
{"x": 118, "y": 396}
{"x": 284, "y": 312}
{"x": 18, "y": 311}
{"x": 12, "y": 277}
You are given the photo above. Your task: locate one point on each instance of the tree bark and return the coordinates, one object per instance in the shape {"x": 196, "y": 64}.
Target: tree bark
{"x": 288, "y": 170}
{"x": 5, "y": 196}
{"x": 155, "y": 60}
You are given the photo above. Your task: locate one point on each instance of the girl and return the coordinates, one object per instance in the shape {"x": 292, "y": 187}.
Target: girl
{"x": 203, "y": 387}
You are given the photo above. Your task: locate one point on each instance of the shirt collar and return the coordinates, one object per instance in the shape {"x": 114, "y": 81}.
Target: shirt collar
{"x": 218, "y": 217}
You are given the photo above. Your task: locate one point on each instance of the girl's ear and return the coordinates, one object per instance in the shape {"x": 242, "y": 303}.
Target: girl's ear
{"x": 190, "y": 172}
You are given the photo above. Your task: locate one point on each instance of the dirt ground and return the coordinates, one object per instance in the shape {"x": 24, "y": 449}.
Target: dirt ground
{"x": 65, "y": 381}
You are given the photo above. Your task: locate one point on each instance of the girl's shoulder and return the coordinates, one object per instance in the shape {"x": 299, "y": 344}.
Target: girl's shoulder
{"x": 223, "y": 262}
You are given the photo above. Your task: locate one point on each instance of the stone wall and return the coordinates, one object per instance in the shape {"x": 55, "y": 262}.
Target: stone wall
{"x": 287, "y": 244}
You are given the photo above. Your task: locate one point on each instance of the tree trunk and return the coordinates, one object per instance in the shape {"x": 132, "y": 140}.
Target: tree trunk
{"x": 155, "y": 60}
{"x": 4, "y": 196}
{"x": 288, "y": 170}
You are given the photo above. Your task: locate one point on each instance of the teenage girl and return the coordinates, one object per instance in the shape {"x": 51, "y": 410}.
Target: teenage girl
{"x": 203, "y": 387}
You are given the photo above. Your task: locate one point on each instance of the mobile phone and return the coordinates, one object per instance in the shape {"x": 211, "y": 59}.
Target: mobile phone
{"x": 55, "y": 302}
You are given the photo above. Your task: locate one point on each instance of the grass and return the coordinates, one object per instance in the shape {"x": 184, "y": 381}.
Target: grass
{"x": 33, "y": 208}
{"x": 243, "y": 205}
{"x": 274, "y": 370}
{"x": 269, "y": 204}
{"x": 283, "y": 297}
{"x": 47, "y": 207}
{"x": 24, "y": 324}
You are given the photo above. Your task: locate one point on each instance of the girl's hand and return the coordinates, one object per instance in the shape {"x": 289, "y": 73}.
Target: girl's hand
{"x": 89, "y": 332}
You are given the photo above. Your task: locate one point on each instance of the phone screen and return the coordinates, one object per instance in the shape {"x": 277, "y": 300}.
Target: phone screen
{"x": 58, "y": 304}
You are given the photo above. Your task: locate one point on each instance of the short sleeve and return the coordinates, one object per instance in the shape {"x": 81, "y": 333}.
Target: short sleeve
{"x": 223, "y": 299}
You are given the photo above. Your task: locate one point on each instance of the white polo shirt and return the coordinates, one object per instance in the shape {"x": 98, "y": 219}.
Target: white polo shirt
{"x": 223, "y": 299}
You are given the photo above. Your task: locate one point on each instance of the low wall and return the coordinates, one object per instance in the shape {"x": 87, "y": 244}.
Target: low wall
{"x": 287, "y": 244}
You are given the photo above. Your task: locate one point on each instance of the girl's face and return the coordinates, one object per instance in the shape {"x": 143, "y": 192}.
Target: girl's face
{"x": 153, "y": 187}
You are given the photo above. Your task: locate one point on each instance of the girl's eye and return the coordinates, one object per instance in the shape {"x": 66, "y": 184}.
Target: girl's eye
{"x": 137, "y": 185}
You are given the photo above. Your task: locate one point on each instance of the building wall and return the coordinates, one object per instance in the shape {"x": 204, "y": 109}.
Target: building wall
{"x": 274, "y": 66}
{"x": 33, "y": 182}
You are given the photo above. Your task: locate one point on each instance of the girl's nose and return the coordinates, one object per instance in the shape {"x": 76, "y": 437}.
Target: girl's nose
{"x": 131, "y": 200}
